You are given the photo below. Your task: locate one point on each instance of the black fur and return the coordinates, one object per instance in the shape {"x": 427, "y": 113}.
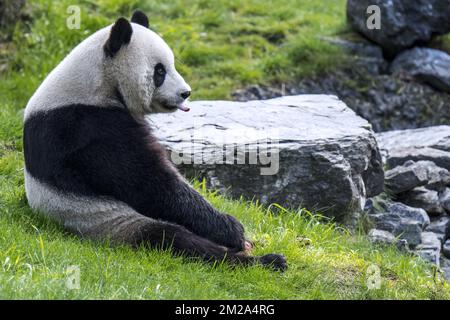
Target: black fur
{"x": 97, "y": 152}
{"x": 119, "y": 36}
{"x": 106, "y": 152}
{"x": 140, "y": 18}
{"x": 164, "y": 235}
{"x": 159, "y": 75}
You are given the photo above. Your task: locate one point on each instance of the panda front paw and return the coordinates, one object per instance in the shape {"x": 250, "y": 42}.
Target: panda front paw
{"x": 274, "y": 261}
{"x": 233, "y": 237}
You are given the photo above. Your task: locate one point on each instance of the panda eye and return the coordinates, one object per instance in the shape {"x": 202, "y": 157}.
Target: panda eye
{"x": 161, "y": 71}
{"x": 159, "y": 74}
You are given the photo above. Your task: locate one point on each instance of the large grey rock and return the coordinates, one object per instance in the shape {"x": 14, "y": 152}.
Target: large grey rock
{"x": 406, "y": 177}
{"x": 430, "y": 248}
{"x": 428, "y": 65}
{"x": 431, "y": 143}
{"x": 403, "y": 22}
{"x": 323, "y": 156}
{"x": 424, "y": 198}
{"x": 397, "y": 218}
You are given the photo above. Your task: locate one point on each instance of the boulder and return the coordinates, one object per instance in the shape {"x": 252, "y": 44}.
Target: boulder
{"x": 389, "y": 208}
{"x": 404, "y": 23}
{"x": 411, "y": 232}
{"x": 406, "y": 177}
{"x": 381, "y": 236}
{"x": 430, "y": 143}
{"x": 402, "y": 228}
{"x": 399, "y": 219}
{"x": 386, "y": 238}
{"x": 299, "y": 151}
{"x": 430, "y": 248}
{"x": 415, "y": 174}
{"x": 424, "y": 198}
{"x": 428, "y": 65}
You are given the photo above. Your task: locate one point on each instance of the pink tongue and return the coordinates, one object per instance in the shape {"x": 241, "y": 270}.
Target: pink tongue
{"x": 183, "y": 108}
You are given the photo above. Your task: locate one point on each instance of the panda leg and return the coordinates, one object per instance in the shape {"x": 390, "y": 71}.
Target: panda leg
{"x": 137, "y": 230}
{"x": 109, "y": 219}
{"x": 157, "y": 234}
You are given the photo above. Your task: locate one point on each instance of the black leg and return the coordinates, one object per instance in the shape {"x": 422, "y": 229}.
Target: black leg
{"x": 183, "y": 242}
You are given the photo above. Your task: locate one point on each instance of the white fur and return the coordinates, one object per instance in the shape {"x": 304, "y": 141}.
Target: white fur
{"x": 87, "y": 76}
{"x": 95, "y": 218}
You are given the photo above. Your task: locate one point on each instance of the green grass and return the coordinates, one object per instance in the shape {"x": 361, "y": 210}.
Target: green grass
{"x": 220, "y": 45}
{"x": 35, "y": 254}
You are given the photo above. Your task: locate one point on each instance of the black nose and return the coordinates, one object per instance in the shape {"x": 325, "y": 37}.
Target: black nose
{"x": 185, "y": 94}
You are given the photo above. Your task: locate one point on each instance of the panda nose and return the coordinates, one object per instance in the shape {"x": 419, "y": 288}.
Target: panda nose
{"x": 185, "y": 94}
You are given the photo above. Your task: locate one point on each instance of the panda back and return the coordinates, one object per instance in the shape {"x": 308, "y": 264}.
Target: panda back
{"x": 77, "y": 79}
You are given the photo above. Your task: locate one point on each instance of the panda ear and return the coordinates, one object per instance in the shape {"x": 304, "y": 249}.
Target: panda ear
{"x": 140, "y": 18}
{"x": 119, "y": 36}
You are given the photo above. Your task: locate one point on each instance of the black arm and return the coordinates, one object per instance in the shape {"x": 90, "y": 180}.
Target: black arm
{"x": 120, "y": 158}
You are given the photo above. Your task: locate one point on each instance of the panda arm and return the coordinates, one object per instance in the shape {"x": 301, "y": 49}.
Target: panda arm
{"x": 120, "y": 158}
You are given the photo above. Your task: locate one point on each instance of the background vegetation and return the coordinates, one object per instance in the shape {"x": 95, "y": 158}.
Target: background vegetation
{"x": 220, "y": 45}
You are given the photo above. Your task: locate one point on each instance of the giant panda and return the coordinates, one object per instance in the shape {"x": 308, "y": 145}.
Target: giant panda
{"x": 93, "y": 165}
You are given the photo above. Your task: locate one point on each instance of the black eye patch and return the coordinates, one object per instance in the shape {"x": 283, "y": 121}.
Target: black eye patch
{"x": 159, "y": 75}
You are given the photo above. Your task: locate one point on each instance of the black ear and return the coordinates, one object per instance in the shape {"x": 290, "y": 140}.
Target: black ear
{"x": 120, "y": 35}
{"x": 140, "y": 18}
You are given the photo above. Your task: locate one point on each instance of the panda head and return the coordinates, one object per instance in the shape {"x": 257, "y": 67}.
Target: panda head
{"x": 141, "y": 66}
